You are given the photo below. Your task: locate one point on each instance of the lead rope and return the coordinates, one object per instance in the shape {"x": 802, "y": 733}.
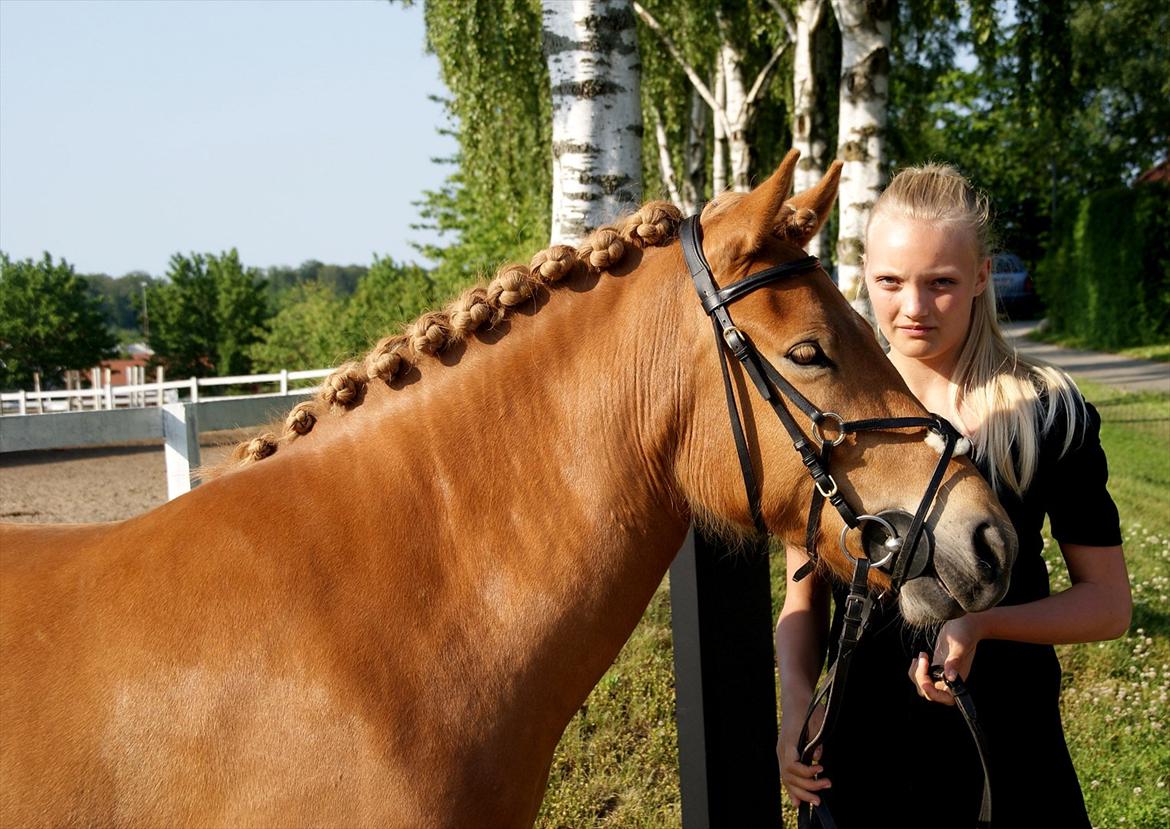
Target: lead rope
{"x": 966, "y": 705}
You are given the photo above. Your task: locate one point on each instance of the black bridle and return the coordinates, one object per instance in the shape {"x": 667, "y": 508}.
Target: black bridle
{"x": 906, "y": 556}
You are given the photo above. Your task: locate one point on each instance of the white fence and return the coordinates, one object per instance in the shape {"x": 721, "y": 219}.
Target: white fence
{"x": 108, "y": 396}
{"x": 177, "y": 423}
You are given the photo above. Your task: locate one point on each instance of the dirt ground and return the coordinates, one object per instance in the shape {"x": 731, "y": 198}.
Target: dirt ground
{"x": 106, "y": 483}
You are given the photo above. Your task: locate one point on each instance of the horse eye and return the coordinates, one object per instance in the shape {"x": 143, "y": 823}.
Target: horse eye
{"x": 807, "y": 354}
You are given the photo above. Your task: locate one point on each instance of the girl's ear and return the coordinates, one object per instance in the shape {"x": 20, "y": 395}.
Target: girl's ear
{"x": 806, "y": 213}
{"x": 983, "y": 276}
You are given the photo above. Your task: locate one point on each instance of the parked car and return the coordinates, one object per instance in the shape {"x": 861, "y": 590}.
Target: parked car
{"x": 1014, "y": 292}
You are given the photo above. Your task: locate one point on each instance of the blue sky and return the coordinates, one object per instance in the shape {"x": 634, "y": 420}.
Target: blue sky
{"x": 290, "y": 129}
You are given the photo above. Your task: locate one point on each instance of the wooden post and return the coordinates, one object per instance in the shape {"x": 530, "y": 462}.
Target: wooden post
{"x": 181, "y": 436}
{"x": 37, "y": 389}
{"x": 159, "y": 379}
{"x": 194, "y": 390}
{"x": 725, "y": 685}
{"x": 109, "y": 382}
{"x": 284, "y": 381}
{"x": 21, "y": 404}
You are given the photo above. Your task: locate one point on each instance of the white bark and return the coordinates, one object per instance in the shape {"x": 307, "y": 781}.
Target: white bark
{"x": 735, "y": 101}
{"x": 719, "y": 148}
{"x": 594, "y": 70}
{"x": 864, "y": 94}
{"x": 805, "y": 136}
{"x": 732, "y": 107}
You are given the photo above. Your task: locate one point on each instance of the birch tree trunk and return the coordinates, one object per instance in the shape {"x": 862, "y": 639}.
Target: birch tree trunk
{"x": 732, "y": 107}
{"x": 807, "y": 136}
{"x": 594, "y": 70}
{"x": 735, "y": 103}
{"x": 865, "y": 69}
{"x": 719, "y": 149}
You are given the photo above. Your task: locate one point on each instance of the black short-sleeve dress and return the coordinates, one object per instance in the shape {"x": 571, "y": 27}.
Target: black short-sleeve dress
{"x": 896, "y": 759}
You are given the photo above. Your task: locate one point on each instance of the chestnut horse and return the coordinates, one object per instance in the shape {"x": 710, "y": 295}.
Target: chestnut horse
{"x": 391, "y": 620}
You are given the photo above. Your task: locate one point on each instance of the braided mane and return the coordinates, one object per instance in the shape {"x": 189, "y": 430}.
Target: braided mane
{"x": 480, "y": 307}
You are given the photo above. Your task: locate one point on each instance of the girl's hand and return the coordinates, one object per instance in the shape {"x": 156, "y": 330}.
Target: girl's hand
{"x": 955, "y": 651}
{"x": 800, "y": 780}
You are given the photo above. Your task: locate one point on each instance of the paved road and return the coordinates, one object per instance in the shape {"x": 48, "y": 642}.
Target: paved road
{"x": 1109, "y": 369}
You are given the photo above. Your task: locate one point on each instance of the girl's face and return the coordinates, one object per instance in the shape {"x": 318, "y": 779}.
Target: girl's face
{"x": 923, "y": 279}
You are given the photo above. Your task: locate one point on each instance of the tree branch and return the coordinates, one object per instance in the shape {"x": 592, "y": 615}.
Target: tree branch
{"x": 786, "y": 16}
{"x": 700, "y": 87}
{"x": 761, "y": 78}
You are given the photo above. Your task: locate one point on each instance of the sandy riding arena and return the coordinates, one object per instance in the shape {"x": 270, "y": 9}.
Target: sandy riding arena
{"x": 106, "y": 483}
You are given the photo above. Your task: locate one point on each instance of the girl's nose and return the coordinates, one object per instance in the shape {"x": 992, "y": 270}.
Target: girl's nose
{"x": 914, "y": 302}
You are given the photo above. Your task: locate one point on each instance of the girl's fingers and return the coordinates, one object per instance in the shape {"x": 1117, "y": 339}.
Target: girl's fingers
{"x": 927, "y": 687}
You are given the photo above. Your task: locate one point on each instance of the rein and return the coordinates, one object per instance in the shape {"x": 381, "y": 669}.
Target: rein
{"x": 906, "y": 556}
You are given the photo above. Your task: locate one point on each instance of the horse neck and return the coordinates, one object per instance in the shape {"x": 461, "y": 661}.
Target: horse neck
{"x": 526, "y": 493}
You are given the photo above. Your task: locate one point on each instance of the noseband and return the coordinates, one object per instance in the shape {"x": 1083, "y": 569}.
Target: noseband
{"x": 903, "y": 558}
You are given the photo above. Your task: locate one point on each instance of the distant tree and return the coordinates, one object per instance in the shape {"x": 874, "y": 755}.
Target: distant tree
{"x": 306, "y": 333}
{"x": 49, "y": 322}
{"x": 388, "y": 296}
{"x": 121, "y": 299}
{"x": 341, "y": 279}
{"x": 241, "y": 311}
{"x": 206, "y": 315}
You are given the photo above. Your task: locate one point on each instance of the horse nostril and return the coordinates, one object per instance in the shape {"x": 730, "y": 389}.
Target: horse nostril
{"x": 988, "y": 551}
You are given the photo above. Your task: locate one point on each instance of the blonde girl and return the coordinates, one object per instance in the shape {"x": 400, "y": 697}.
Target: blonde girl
{"x": 900, "y": 754}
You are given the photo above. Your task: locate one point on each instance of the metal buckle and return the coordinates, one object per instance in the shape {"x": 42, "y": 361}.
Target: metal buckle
{"x": 893, "y": 544}
{"x": 820, "y": 437}
{"x": 727, "y": 334}
{"x": 821, "y": 489}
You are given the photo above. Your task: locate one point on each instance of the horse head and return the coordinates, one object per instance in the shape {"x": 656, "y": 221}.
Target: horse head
{"x": 806, "y": 334}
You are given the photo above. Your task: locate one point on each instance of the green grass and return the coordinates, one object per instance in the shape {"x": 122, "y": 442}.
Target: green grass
{"x": 617, "y": 763}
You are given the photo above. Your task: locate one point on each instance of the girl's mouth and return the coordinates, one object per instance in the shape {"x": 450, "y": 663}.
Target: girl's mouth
{"x": 916, "y": 330}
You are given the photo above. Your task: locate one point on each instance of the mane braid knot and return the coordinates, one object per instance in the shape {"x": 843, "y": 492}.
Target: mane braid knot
{"x": 430, "y": 333}
{"x": 472, "y": 311}
{"x": 300, "y": 420}
{"x": 387, "y": 359}
{"x": 653, "y": 224}
{"x": 554, "y": 264}
{"x": 345, "y": 387}
{"x": 256, "y": 449}
{"x": 603, "y": 249}
{"x": 512, "y": 286}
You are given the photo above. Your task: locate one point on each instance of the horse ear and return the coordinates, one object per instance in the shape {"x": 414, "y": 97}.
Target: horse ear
{"x": 764, "y": 204}
{"x": 805, "y": 213}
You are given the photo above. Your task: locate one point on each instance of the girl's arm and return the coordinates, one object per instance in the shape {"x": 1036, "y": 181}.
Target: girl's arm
{"x": 801, "y": 634}
{"x": 1096, "y": 606}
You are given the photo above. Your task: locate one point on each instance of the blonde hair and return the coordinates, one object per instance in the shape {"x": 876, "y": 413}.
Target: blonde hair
{"x": 1012, "y": 401}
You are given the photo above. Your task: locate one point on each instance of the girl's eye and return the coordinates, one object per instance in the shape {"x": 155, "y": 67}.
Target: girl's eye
{"x": 944, "y": 283}
{"x": 807, "y": 354}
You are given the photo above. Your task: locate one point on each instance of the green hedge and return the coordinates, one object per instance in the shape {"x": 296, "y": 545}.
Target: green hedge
{"x": 1106, "y": 279}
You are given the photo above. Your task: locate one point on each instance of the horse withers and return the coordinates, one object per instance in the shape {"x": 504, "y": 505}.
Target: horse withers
{"x": 388, "y": 613}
